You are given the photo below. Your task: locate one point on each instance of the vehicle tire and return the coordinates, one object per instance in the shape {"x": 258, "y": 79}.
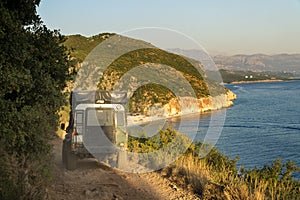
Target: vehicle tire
{"x": 71, "y": 158}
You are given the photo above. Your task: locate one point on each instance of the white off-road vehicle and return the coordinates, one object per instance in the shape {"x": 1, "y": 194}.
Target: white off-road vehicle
{"x": 97, "y": 128}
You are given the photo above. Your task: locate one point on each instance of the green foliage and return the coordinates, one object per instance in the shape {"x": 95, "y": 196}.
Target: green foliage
{"x": 159, "y": 149}
{"x": 34, "y": 68}
{"x": 21, "y": 11}
{"x": 154, "y": 55}
{"x": 278, "y": 179}
{"x": 213, "y": 158}
{"x": 146, "y": 144}
{"x": 150, "y": 93}
{"x": 81, "y": 46}
{"x": 135, "y": 58}
{"x": 202, "y": 87}
{"x": 186, "y": 67}
{"x": 215, "y": 175}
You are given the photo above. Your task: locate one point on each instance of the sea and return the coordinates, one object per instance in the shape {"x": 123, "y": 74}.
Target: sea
{"x": 263, "y": 124}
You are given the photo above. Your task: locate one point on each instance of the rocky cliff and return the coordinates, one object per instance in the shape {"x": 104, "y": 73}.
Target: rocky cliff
{"x": 190, "y": 105}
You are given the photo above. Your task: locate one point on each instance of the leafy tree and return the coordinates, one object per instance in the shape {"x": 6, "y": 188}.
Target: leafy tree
{"x": 34, "y": 68}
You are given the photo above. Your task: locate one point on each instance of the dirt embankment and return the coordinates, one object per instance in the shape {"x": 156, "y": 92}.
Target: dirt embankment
{"x": 93, "y": 180}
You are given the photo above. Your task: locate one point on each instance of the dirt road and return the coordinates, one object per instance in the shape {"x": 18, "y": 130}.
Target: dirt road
{"x": 93, "y": 180}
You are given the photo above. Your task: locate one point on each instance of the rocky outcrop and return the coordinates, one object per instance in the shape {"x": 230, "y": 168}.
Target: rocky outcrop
{"x": 230, "y": 97}
{"x": 189, "y": 105}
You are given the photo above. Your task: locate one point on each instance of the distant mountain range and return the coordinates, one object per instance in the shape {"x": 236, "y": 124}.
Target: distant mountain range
{"x": 260, "y": 63}
{"x": 289, "y": 63}
{"x": 257, "y": 67}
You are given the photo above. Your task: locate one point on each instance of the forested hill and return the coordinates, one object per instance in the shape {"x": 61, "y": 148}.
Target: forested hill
{"x": 81, "y": 46}
{"x": 151, "y": 93}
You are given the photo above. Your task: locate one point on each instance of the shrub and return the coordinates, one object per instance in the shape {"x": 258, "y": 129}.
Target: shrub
{"x": 34, "y": 68}
{"x": 216, "y": 176}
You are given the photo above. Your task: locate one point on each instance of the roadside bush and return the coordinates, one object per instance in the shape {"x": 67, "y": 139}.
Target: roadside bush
{"x": 160, "y": 149}
{"x": 215, "y": 175}
{"x": 277, "y": 180}
{"x": 34, "y": 68}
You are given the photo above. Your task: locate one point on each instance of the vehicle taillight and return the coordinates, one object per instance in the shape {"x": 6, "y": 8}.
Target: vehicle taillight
{"x": 74, "y": 133}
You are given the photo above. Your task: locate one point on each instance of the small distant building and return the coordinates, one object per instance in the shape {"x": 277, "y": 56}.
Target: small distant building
{"x": 251, "y": 76}
{"x": 246, "y": 77}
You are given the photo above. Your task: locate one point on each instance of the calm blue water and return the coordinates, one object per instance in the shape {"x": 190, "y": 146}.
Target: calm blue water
{"x": 264, "y": 124}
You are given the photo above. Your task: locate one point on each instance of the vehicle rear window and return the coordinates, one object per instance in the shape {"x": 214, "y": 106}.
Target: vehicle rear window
{"x": 97, "y": 117}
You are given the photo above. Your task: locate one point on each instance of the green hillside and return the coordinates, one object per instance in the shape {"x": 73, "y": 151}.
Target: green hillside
{"x": 132, "y": 59}
{"x": 81, "y": 46}
{"x": 150, "y": 93}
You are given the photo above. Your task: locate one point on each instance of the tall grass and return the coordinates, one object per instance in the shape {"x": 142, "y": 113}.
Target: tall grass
{"x": 216, "y": 176}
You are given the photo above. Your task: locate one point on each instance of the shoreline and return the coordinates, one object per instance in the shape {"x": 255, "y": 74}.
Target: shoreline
{"x": 205, "y": 106}
{"x": 143, "y": 119}
{"x": 258, "y": 81}
{"x": 263, "y": 81}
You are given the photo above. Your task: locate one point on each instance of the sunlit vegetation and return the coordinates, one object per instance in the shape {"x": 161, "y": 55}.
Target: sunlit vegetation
{"x": 202, "y": 87}
{"x": 154, "y": 55}
{"x": 216, "y": 176}
{"x": 148, "y": 95}
{"x": 81, "y": 46}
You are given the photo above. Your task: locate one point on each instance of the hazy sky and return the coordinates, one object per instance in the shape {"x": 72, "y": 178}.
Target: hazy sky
{"x": 231, "y": 26}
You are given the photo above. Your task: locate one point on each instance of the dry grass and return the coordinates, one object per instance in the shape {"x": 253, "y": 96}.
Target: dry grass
{"x": 216, "y": 176}
{"x": 63, "y": 118}
{"x": 203, "y": 179}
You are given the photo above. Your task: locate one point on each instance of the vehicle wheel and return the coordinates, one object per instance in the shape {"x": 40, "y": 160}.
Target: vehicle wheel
{"x": 71, "y": 158}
